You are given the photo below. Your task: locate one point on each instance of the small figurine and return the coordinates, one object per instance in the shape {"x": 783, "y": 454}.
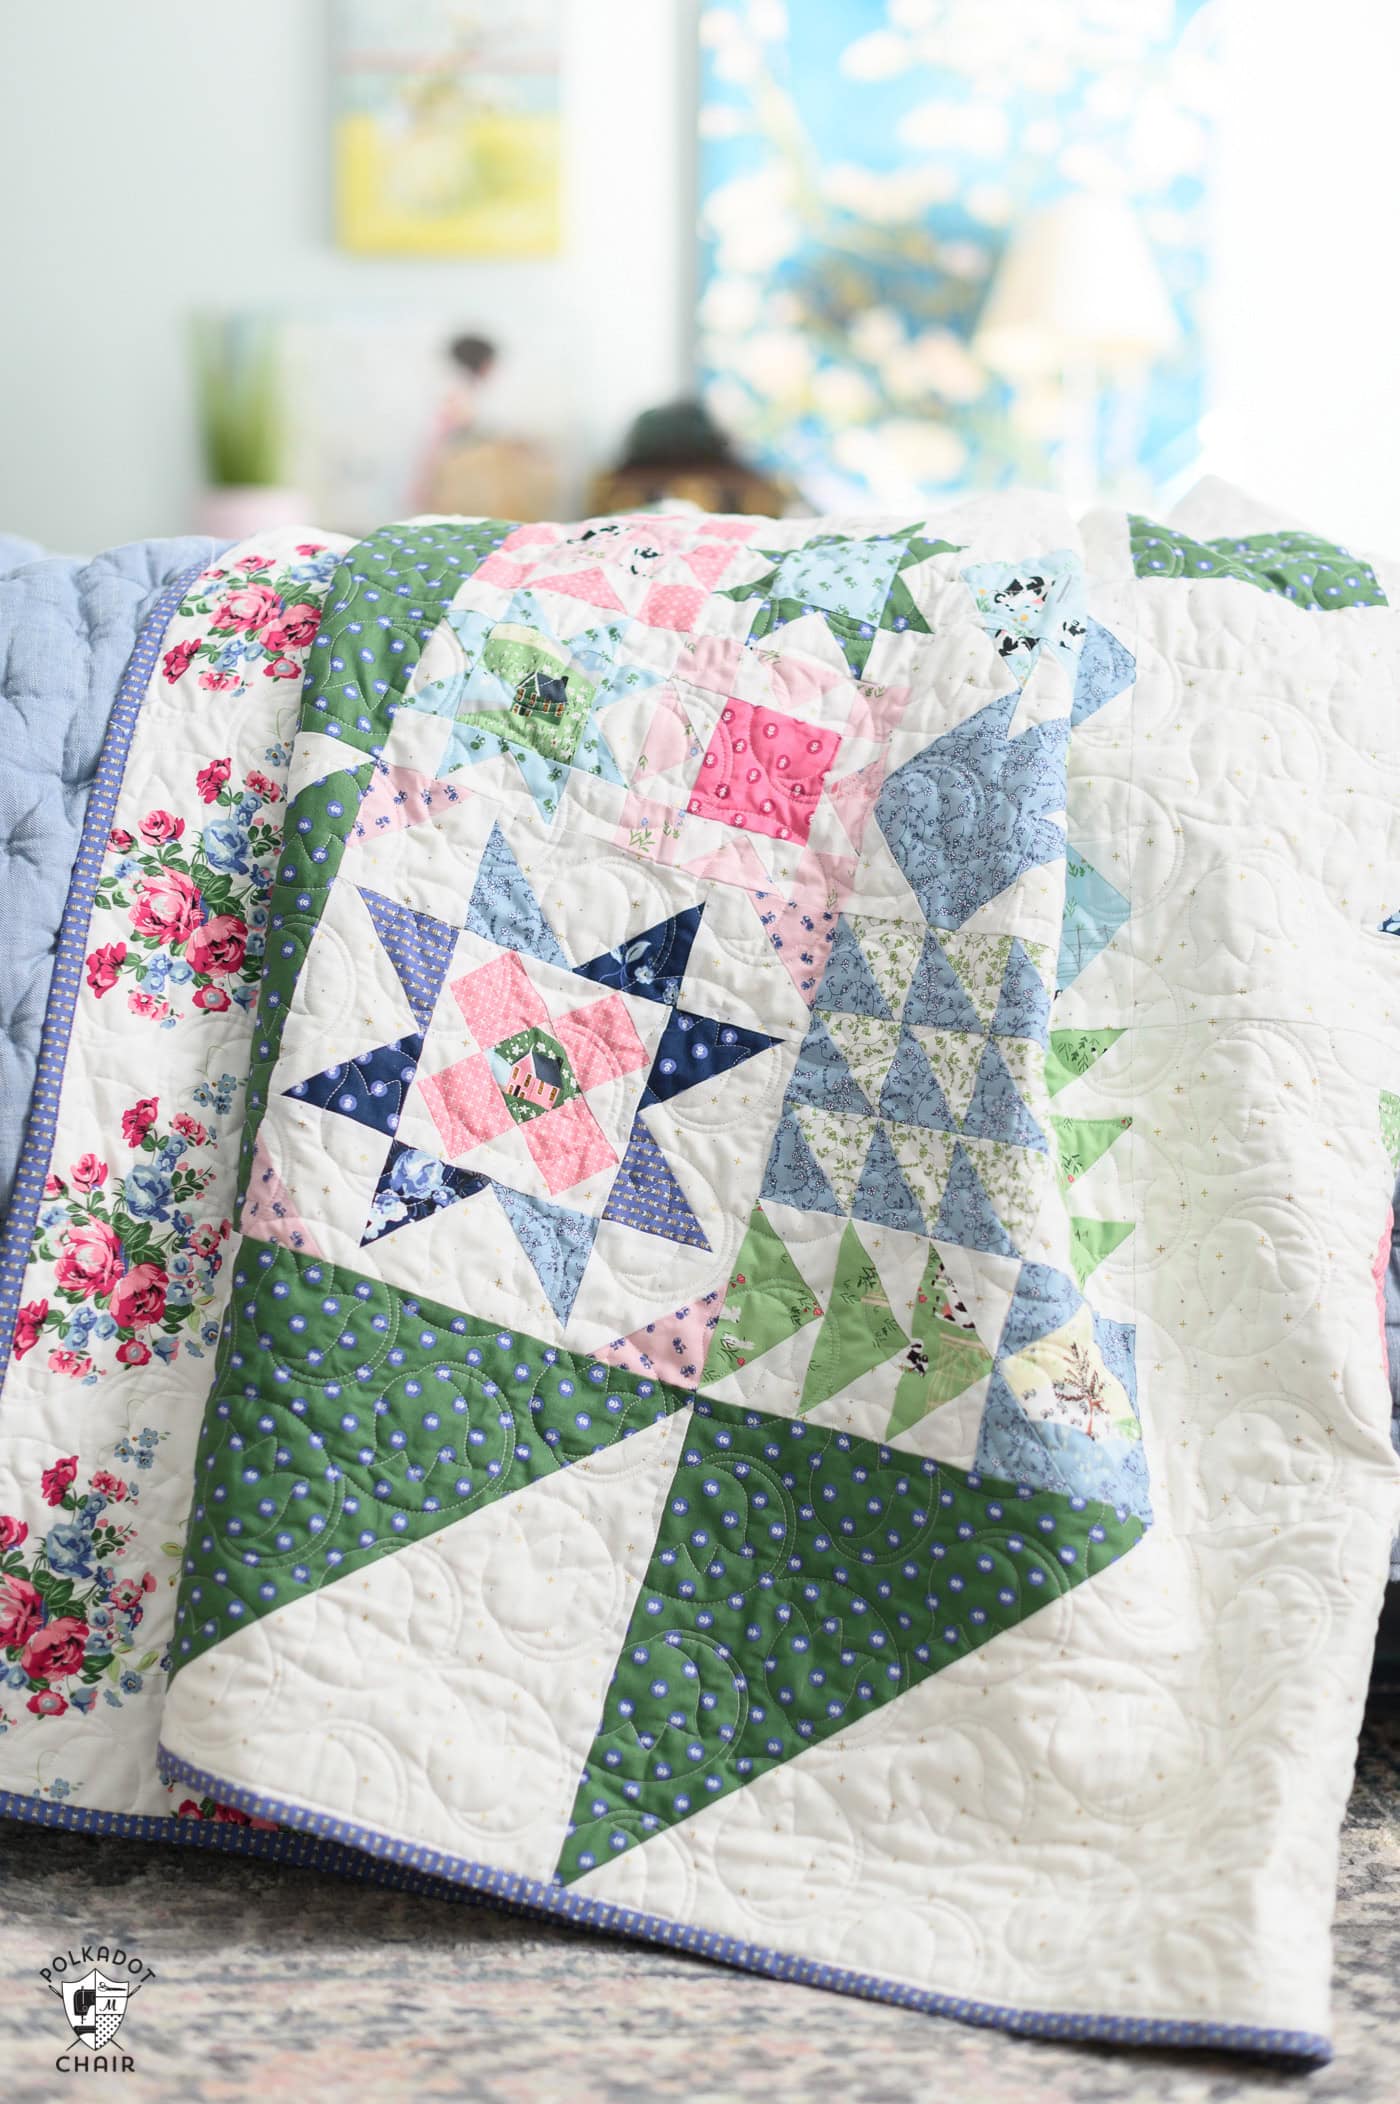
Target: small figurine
{"x": 474, "y": 472}
{"x": 678, "y": 455}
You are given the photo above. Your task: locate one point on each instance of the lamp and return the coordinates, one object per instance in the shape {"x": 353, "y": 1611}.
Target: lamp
{"x": 1077, "y": 295}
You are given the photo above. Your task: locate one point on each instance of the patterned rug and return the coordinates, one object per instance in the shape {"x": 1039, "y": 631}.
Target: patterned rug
{"x": 270, "y": 1981}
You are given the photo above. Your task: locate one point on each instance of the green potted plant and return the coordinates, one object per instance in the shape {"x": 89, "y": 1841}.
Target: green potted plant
{"x": 240, "y": 407}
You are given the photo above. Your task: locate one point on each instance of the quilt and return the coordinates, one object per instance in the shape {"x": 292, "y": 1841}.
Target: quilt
{"x": 777, "y": 1351}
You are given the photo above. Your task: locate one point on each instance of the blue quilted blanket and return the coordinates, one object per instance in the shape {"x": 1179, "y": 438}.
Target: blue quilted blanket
{"x": 67, "y": 626}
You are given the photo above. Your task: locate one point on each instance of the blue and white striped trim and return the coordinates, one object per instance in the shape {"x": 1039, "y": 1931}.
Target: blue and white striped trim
{"x": 71, "y": 954}
{"x": 506, "y": 1890}
{"x": 302, "y": 1851}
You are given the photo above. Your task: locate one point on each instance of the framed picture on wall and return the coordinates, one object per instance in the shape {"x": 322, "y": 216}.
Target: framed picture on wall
{"x": 446, "y": 127}
{"x": 868, "y": 170}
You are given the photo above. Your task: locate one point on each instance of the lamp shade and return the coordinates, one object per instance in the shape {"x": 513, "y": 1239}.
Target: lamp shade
{"x": 1077, "y": 282}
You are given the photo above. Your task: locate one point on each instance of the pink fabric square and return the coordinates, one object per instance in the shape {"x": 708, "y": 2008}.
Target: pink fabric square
{"x": 876, "y": 712}
{"x": 669, "y": 741}
{"x": 672, "y": 606}
{"x": 854, "y": 797}
{"x": 800, "y": 682}
{"x": 730, "y": 860}
{"x": 567, "y": 1145}
{"x": 715, "y": 663}
{"x": 726, "y": 526}
{"x": 590, "y": 585}
{"x": 674, "y": 1346}
{"x": 465, "y": 1104}
{"x": 710, "y": 559}
{"x": 542, "y": 533}
{"x": 498, "y": 1000}
{"x": 499, "y": 570}
{"x": 600, "y": 1042}
{"x": 763, "y": 772}
{"x": 649, "y": 828}
{"x": 401, "y": 796}
{"x": 268, "y": 1213}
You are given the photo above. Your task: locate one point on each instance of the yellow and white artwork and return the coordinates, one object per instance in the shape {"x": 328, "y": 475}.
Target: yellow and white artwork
{"x": 447, "y": 127}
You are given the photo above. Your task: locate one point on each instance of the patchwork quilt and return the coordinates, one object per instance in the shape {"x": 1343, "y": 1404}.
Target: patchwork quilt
{"x": 763, "y": 1340}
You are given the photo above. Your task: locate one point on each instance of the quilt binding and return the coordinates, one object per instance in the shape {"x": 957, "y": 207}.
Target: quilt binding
{"x": 312, "y": 1839}
{"x": 511, "y": 1893}
{"x": 66, "y": 984}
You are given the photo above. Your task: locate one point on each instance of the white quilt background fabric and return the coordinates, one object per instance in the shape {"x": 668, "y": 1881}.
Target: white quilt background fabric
{"x": 1129, "y": 1805}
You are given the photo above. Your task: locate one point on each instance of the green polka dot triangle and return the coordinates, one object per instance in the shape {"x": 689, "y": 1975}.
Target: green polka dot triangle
{"x": 1297, "y": 566}
{"x": 855, "y": 584}
{"x": 349, "y": 1419}
{"x": 801, "y": 1579}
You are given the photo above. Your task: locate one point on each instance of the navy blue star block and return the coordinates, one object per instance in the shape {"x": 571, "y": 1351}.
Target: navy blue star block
{"x": 369, "y": 1088}
{"x": 651, "y": 964}
{"x": 413, "y": 1186}
{"x": 696, "y": 1048}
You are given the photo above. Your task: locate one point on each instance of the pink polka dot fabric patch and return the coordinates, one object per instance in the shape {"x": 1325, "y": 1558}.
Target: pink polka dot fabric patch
{"x": 763, "y": 772}
{"x": 465, "y": 1104}
{"x": 568, "y": 1145}
{"x": 673, "y": 606}
{"x": 498, "y": 1000}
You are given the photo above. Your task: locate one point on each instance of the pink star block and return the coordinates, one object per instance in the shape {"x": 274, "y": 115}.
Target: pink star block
{"x": 398, "y": 797}
{"x": 567, "y": 1145}
{"x": 673, "y": 606}
{"x": 600, "y": 1042}
{"x": 763, "y": 772}
{"x": 465, "y": 1104}
{"x": 498, "y": 1001}
{"x": 673, "y": 1347}
{"x": 268, "y": 1212}
{"x": 590, "y": 585}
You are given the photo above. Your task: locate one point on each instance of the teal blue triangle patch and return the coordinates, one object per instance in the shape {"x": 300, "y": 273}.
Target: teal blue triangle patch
{"x": 822, "y": 1077}
{"x": 912, "y": 1094}
{"x": 1023, "y": 1006}
{"x": 794, "y": 1176}
{"x": 965, "y": 1215}
{"x": 996, "y": 1111}
{"x": 557, "y": 1242}
{"x": 882, "y": 1195}
{"x": 1105, "y": 669}
{"x": 848, "y": 984}
{"x": 936, "y": 998}
{"x": 504, "y": 910}
{"x": 1094, "y": 912}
